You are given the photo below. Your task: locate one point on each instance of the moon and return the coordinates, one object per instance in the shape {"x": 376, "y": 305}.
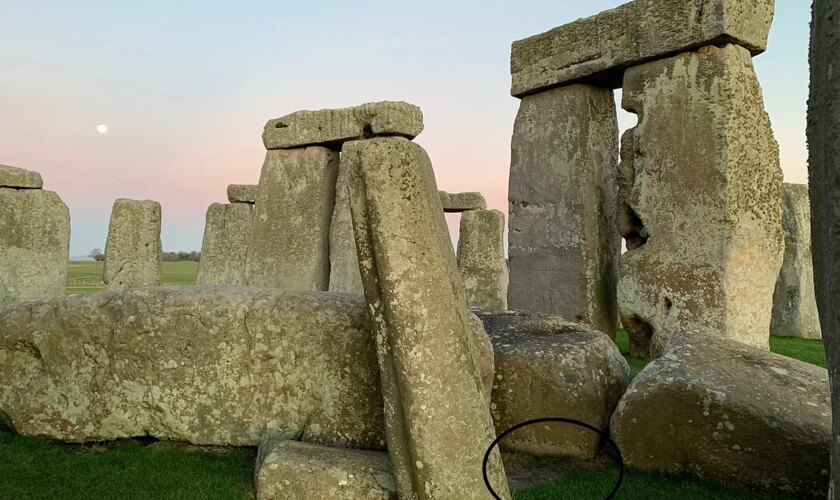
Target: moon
{"x": 102, "y": 129}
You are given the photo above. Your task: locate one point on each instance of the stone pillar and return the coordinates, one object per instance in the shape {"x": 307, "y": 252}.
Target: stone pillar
{"x": 133, "y": 251}
{"x": 438, "y": 425}
{"x": 563, "y": 246}
{"x": 824, "y": 169}
{"x": 794, "y": 304}
{"x": 699, "y": 201}
{"x": 225, "y": 246}
{"x": 34, "y": 239}
{"x": 344, "y": 262}
{"x": 481, "y": 259}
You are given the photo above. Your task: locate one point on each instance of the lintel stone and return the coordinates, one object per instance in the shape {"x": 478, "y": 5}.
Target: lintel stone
{"x": 19, "y": 178}
{"x": 242, "y": 193}
{"x": 461, "y": 202}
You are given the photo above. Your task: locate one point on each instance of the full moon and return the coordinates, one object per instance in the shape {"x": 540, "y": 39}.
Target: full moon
{"x": 102, "y": 129}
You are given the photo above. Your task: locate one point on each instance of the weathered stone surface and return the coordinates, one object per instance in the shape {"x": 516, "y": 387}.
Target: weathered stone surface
{"x": 419, "y": 313}
{"x": 460, "y": 202}
{"x": 225, "y": 246}
{"x": 598, "y": 49}
{"x": 728, "y": 411}
{"x": 481, "y": 259}
{"x": 699, "y": 201}
{"x": 242, "y": 193}
{"x": 333, "y": 127}
{"x": 291, "y": 470}
{"x": 563, "y": 246}
{"x": 133, "y": 252}
{"x": 548, "y": 367}
{"x": 34, "y": 245}
{"x": 794, "y": 304}
{"x": 824, "y": 171}
{"x": 344, "y": 262}
{"x": 289, "y": 244}
{"x": 19, "y": 178}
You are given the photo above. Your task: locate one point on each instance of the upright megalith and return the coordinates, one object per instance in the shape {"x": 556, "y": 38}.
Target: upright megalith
{"x": 563, "y": 246}
{"x": 34, "y": 239}
{"x": 794, "y": 305}
{"x": 700, "y": 201}
{"x": 419, "y": 314}
{"x": 481, "y": 259}
{"x": 344, "y": 262}
{"x": 133, "y": 251}
{"x": 224, "y": 249}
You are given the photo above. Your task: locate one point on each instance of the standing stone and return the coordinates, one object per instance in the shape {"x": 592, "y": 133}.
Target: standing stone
{"x": 700, "y": 202}
{"x": 289, "y": 244}
{"x": 225, "y": 246}
{"x": 19, "y": 178}
{"x": 563, "y": 245}
{"x": 34, "y": 245}
{"x": 824, "y": 171}
{"x": 344, "y": 262}
{"x": 438, "y": 424}
{"x": 133, "y": 251}
{"x": 242, "y": 193}
{"x": 794, "y": 304}
{"x": 481, "y": 259}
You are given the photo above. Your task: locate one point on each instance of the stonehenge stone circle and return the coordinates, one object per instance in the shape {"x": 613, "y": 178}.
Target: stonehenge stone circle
{"x": 727, "y": 411}
{"x": 419, "y": 314}
{"x": 824, "y": 179}
{"x": 563, "y": 246}
{"x": 598, "y": 49}
{"x": 461, "y": 202}
{"x": 699, "y": 201}
{"x": 344, "y": 262}
{"x": 133, "y": 252}
{"x": 19, "y": 178}
{"x": 225, "y": 246}
{"x": 481, "y": 259}
{"x": 794, "y": 304}
{"x": 242, "y": 193}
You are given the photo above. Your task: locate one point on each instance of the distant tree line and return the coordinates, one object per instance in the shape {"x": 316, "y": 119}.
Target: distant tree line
{"x": 98, "y": 255}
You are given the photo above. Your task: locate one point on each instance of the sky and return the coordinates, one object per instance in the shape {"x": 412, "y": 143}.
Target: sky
{"x": 185, "y": 88}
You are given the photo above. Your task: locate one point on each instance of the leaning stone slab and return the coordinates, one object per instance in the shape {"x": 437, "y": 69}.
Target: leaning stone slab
{"x": 223, "y": 252}
{"x": 548, "y": 367}
{"x": 699, "y": 201}
{"x": 727, "y": 411}
{"x": 34, "y": 245}
{"x": 242, "y": 193}
{"x": 344, "y": 262}
{"x": 289, "y": 244}
{"x": 292, "y": 470}
{"x": 419, "y": 313}
{"x": 461, "y": 202}
{"x": 481, "y": 259}
{"x": 598, "y": 49}
{"x": 133, "y": 252}
{"x": 19, "y": 178}
{"x": 332, "y": 127}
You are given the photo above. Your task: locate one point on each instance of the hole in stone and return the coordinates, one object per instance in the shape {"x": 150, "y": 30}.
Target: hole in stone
{"x": 640, "y": 334}
{"x": 668, "y": 303}
{"x": 281, "y": 125}
{"x": 367, "y": 132}
{"x": 633, "y": 229}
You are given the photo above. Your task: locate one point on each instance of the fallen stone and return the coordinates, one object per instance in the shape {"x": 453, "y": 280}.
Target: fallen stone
{"x": 481, "y": 259}
{"x": 548, "y": 367}
{"x": 242, "y": 193}
{"x": 344, "y": 262}
{"x": 699, "y": 202}
{"x": 225, "y": 246}
{"x": 727, "y": 411}
{"x": 333, "y": 127}
{"x": 34, "y": 245}
{"x": 600, "y": 48}
{"x": 563, "y": 246}
{"x": 291, "y": 470}
{"x": 19, "y": 178}
{"x": 461, "y": 202}
{"x": 133, "y": 252}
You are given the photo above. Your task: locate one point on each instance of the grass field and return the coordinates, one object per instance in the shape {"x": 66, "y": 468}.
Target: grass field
{"x": 86, "y": 276}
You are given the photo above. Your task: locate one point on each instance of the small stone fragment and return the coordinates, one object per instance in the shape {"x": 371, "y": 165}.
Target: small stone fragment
{"x": 133, "y": 252}
{"x": 461, "y": 202}
{"x": 242, "y": 193}
{"x": 19, "y": 178}
{"x": 481, "y": 259}
{"x": 225, "y": 246}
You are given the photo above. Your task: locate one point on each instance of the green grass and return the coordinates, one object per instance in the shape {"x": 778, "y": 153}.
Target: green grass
{"x": 810, "y": 351}
{"x": 84, "y": 276}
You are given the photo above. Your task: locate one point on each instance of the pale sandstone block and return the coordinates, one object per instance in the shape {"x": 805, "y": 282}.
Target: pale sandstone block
{"x": 344, "y": 262}
{"x": 481, "y": 259}
{"x": 133, "y": 252}
{"x": 19, "y": 178}
{"x": 225, "y": 246}
{"x": 460, "y": 202}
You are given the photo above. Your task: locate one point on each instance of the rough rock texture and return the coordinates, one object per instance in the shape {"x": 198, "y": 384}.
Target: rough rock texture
{"x": 727, "y": 411}
{"x": 563, "y": 245}
{"x": 794, "y": 304}
{"x": 242, "y": 193}
{"x": 599, "y": 48}
{"x": 332, "y": 127}
{"x": 699, "y": 201}
{"x": 344, "y": 262}
{"x": 418, "y": 311}
{"x": 133, "y": 253}
{"x": 824, "y": 171}
{"x": 289, "y": 244}
{"x": 19, "y": 178}
{"x": 34, "y": 245}
{"x": 548, "y": 367}
{"x": 460, "y": 202}
{"x": 481, "y": 259}
{"x": 225, "y": 246}
{"x": 291, "y": 470}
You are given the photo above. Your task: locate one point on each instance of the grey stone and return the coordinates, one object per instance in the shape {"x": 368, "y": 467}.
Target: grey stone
{"x": 242, "y": 193}
{"x": 133, "y": 253}
{"x": 34, "y": 245}
{"x": 419, "y": 313}
{"x": 19, "y": 178}
{"x": 699, "y": 201}
{"x": 225, "y": 246}
{"x": 481, "y": 259}
{"x": 730, "y": 412}
{"x": 344, "y": 262}
{"x": 460, "y": 202}
{"x": 289, "y": 244}
{"x": 598, "y": 49}
{"x": 563, "y": 246}
{"x": 332, "y": 127}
